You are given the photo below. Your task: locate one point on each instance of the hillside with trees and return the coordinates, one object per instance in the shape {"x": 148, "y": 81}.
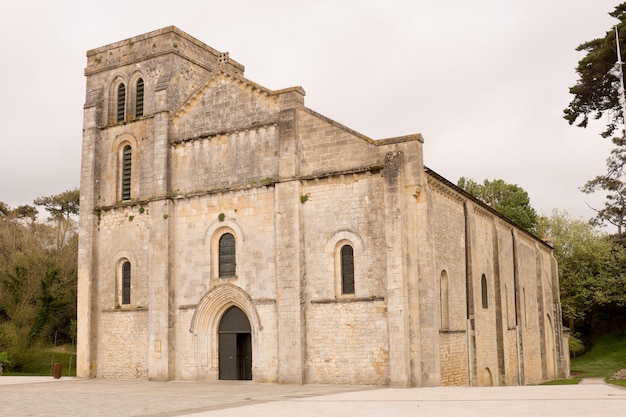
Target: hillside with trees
{"x": 38, "y": 275}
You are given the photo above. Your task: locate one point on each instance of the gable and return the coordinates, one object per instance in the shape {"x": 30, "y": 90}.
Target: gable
{"x": 224, "y": 104}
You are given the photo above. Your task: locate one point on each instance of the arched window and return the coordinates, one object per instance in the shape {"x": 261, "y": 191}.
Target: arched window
{"x": 444, "y": 300}
{"x": 127, "y": 157}
{"x": 227, "y": 256}
{"x": 121, "y": 103}
{"x": 483, "y": 288}
{"x": 341, "y": 250}
{"x": 139, "y": 98}
{"x": 126, "y": 282}
{"x": 347, "y": 269}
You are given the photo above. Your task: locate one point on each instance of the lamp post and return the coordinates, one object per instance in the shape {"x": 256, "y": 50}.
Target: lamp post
{"x": 620, "y": 68}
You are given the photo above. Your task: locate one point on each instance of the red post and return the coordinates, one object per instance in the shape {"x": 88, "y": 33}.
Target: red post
{"x": 56, "y": 373}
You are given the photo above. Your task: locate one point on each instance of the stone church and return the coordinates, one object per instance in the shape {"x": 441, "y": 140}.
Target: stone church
{"x": 227, "y": 231}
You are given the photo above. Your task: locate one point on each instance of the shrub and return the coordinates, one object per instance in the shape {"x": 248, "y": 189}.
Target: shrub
{"x": 576, "y": 346}
{"x": 4, "y": 360}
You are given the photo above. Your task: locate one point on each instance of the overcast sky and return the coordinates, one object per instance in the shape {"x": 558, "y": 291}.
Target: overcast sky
{"x": 484, "y": 81}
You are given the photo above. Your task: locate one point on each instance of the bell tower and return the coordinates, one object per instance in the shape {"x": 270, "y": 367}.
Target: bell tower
{"x": 133, "y": 88}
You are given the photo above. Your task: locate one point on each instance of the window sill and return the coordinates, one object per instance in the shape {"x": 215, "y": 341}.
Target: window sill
{"x": 348, "y": 300}
{"x": 124, "y": 309}
{"x": 451, "y": 331}
{"x": 231, "y": 278}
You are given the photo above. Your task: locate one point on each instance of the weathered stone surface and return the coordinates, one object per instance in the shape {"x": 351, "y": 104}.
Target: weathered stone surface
{"x": 214, "y": 153}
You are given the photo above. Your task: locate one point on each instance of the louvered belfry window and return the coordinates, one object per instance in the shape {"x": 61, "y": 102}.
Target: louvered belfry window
{"x": 227, "y": 256}
{"x": 127, "y": 156}
{"x": 347, "y": 270}
{"x": 139, "y": 99}
{"x": 126, "y": 283}
{"x": 121, "y": 103}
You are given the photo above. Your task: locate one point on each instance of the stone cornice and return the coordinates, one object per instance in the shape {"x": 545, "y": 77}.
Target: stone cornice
{"x": 485, "y": 210}
{"x": 211, "y": 135}
{"x": 98, "y": 58}
{"x": 378, "y": 142}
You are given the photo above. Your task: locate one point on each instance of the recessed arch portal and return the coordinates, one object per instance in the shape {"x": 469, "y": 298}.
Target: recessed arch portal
{"x": 206, "y": 327}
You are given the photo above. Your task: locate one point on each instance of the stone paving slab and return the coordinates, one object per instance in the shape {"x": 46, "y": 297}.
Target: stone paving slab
{"x": 585, "y": 381}
{"x": 45, "y": 396}
{"x": 553, "y": 401}
{"x": 18, "y": 380}
{"x": 97, "y": 397}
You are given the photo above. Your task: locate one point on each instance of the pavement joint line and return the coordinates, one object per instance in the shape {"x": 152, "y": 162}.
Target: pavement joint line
{"x": 198, "y": 410}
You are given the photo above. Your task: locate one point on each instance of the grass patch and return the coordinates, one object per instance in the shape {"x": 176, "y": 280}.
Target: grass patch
{"x": 39, "y": 362}
{"x": 619, "y": 383}
{"x": 606, "y": 356}
{"x": 570, "y": 381}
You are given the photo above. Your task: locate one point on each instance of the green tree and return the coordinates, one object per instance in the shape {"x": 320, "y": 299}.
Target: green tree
{"x": 510, "y": 200}
{"x": 592, "y": 268}
{"x": 25, "y": 212}
{"x": 38, "y": 276}
{"x": 614, "y": 210}
{"x": 596, "y": 91}
{"x": 61, "y": 206}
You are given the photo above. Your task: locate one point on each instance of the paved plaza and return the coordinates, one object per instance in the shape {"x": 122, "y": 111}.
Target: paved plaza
{"x": 45, "y": 396}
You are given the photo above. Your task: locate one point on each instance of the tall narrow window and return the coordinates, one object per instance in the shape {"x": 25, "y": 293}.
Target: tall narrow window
{"x": 509, "y": 316}
{"x": 444, "y": 300}
{"x": 121, "y": 102}
{"x": 525, "y": 315}
{"x": 347, "y": 270}
{"x": 227, "y": 256}
{"x": 139, "y": 99}
{"x": 483, "y": 288}
{"x": 127, "y": 159}
{"x": 126, "y": 283}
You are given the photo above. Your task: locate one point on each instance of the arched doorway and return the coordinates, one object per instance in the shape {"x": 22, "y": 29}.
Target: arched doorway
{"x": 235, "y": 345}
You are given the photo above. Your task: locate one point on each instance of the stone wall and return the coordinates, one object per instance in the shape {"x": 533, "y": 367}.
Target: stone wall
{"x": 234, "y": 104}
{"x": 249, "y": 216}
{"x": 328, "y": 147}
{"x": 347, "y": 342}
{"x": 115, "y": 226}
{"x": 453, "y": 358}
{"x": 339, "y": 210}
{"x": 236, "y": 160}
{"x": 450, "y": 254}
{"x": 123, "y": 348}
{"x": 516, "y": 329}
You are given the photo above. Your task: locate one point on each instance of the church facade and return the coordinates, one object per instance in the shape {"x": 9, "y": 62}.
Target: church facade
{"x": 229, "y": 232}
